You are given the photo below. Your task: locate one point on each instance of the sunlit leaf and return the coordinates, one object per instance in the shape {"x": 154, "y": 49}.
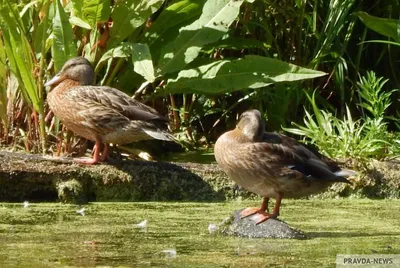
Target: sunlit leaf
{"x": 142, "y": 63}
{"x": 174, "y": 15}
{"x": 386, "y": 27}
{"x": 18, "y": 51}
{"x": 63, "y": 46}
{"x": 79, "y": 22}
{"x": 128, "y": 16}
{"x": 227, "y": 76}
{"x": 141, "y": 58}
{"x": 166, "y": 27}
{"x": 92, "y": 11}
{"x": 213, "y": 23}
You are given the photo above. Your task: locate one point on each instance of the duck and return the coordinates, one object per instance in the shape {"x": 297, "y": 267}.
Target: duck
{"x": 273, "y": 165}
{"x": 101, "y": 114}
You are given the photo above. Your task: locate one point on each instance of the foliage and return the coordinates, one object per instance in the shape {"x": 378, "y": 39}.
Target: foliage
{"x": 201, "y": 62}
{"x": 162, "y": 42}
{"x": 367, "y": 137}
{"x": 374, "y": 99}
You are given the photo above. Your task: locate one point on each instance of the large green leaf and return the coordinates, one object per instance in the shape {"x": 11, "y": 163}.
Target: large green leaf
{"x": 172, "y": 16}
{"x": 141, "y": 58}
{"x": 79, "y": 22}
{"x": 63, "y": 47}
{"x": 166, "y": 27}
{"x": 122, "y": 51}
{"x": 227, "y": 76}
{"x": 92, "y": 11}
{"x": 129, "y": 15}
{"x": 142, "y": 62}
{"x": 213, "y": 23}
{"x": 236, "y": 43}
{"x": 386, "y": 27}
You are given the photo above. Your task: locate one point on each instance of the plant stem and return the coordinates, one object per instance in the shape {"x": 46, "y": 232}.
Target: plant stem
{"x": 42, "y": 126}
{"x": 116, "y": 69}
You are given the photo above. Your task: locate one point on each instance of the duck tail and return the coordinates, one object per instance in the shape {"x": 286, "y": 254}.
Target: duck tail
{"x": 159, "y": 134}
{"x": 345, "y": 173}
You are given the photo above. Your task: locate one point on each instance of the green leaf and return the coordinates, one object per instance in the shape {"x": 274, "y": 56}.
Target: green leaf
{"x": 63, "y": 47}
{"x": 3, "y": 86}
{"x": 227, "y": 76}
{"x": 142, "y": 62}
{"x": 236, "y": 43}
{"x": 166, "y": 27}
{"x": 122, "y": 51}
{"x": 79, "y": 22}
{"x": 128, "y": 16}
{"x": 383, "y": 42}
{"x": 141, "y": 58}
{"x": 92, "y": 11}
{"x": 19, "y": 53}
{"x": 172, "y": 16}
{"x": 213, "y": 23}
{"x": 386, "y": 27}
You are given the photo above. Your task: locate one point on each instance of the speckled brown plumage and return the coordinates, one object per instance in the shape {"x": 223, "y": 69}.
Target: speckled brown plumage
{"x": 273, "y": 165}
{"x": 99, "y": 113}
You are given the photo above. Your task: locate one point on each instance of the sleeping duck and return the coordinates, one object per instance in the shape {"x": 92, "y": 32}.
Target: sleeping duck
{"x": 99, "y": 113}
{"x": 273, "y": 165}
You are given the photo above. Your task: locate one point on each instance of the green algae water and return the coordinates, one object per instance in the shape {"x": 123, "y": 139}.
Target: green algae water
{"x": 55, "y": 235}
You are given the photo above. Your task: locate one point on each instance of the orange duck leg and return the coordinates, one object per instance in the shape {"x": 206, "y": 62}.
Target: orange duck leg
{"x": 96, "y": 156}
{"x": 262, "y": 214}
{"x": 105, "y": 153}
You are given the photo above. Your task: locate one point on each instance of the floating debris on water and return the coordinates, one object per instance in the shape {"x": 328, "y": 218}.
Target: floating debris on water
{"x": 81, "y": 211}
{"x": 142, "y": 224}
{"x": 212, "y": 228}
{"x": 169, "y": 253}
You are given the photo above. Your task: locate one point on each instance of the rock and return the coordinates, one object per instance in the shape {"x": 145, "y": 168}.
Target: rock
{"x": 41, "y": 178}
{"x": 272, "y": 228}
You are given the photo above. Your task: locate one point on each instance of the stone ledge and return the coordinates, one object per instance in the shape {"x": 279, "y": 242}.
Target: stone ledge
{"x": 40, "y": 178}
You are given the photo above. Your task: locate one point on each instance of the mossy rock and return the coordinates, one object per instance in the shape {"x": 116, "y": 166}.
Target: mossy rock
{"x": 33, "y": 177}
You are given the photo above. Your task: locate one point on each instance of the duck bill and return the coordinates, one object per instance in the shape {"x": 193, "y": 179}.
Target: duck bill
{"x": 54, "y": 81}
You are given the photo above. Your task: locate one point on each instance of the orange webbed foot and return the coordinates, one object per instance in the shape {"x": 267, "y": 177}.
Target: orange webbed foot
{"x": 86, "y": 161}
{"x": 96, "y": 155}
{"x": 258, "y": 215}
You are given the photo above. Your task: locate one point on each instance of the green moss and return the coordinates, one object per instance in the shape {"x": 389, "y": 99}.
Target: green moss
{"x": 149, "y": 181}
{"x": 54, "y": 235}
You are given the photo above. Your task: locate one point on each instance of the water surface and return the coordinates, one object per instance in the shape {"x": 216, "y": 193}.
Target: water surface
{"x": 55, "y": 235}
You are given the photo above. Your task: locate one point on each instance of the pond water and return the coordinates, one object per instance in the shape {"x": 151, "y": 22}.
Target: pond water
{"x": 196, "y": 156}
{"x": 55, "y": 235}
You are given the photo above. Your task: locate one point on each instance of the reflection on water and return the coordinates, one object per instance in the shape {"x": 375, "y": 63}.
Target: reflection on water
{"x": 201, "y": 157}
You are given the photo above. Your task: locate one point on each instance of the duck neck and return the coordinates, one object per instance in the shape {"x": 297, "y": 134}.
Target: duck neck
{"x": 65, "y": 85}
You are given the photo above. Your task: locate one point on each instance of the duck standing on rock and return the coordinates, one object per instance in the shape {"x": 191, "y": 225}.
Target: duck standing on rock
{"x": 99, "y": 113}
{"x": 273, "y": 165}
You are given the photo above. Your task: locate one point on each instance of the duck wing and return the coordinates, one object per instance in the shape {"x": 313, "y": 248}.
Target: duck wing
{"x": 118, "y": 101}
{"x": 288, "y": 157}
{"x": 105, "y": 110}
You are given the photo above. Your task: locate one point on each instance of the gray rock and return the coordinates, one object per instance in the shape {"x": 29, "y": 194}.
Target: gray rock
{"x": 272, "y": 228}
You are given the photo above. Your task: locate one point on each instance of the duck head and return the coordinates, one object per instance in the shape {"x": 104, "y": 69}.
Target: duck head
{"x": 251, "y": 125}
{"x": 78, "y": 69}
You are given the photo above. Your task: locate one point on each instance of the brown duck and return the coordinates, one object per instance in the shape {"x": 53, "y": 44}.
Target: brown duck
{"x": 273, "y": 165}
{"x": 99, "y": 113}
